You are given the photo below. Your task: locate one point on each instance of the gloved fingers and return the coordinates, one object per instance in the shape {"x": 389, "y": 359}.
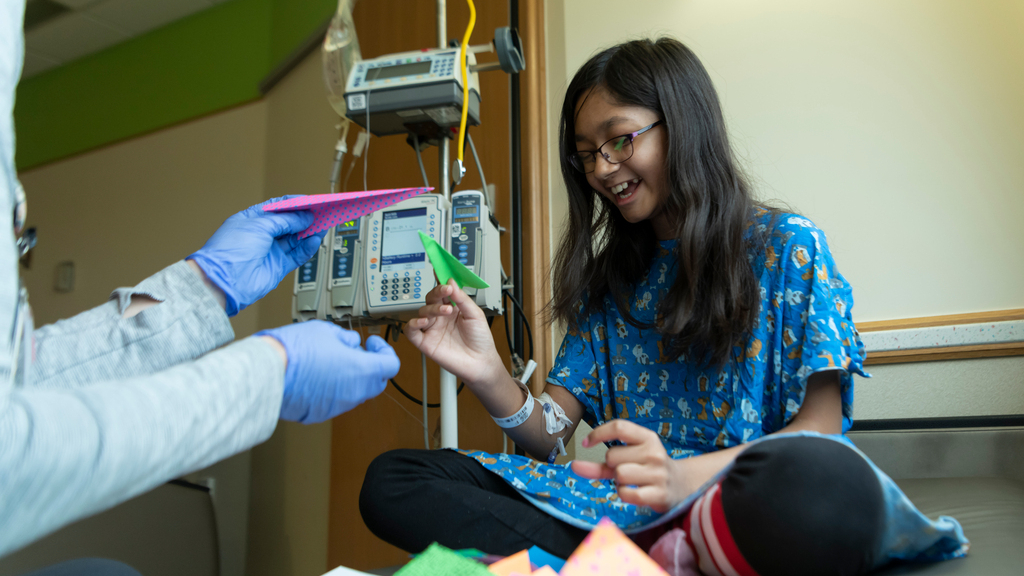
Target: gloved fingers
{"x": 377, "y": 345}
{"x": 377, "y": 387}
{"x": 300, "y": 251}
{"x": 349, "y": 338}
{"x": 256, "y": 210}
{"x": 283, "y": 223}
{"x": 384, "y": 362}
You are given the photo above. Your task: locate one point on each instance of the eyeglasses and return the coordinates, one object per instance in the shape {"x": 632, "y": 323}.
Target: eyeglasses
{"x": 615, "y": 151}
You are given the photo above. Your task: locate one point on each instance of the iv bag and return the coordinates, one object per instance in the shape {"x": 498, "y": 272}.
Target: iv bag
{"x": 340, "y": 51}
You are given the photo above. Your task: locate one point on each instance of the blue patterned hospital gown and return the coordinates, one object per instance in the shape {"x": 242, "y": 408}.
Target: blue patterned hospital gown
{"x": 619, "y": 371}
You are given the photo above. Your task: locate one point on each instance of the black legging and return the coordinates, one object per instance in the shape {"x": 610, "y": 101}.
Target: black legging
{"x": 793, "y": 505}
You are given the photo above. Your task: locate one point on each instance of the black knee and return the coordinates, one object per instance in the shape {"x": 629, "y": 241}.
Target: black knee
{"x": 804, "y": 505}
{"x": 380, "y": 499}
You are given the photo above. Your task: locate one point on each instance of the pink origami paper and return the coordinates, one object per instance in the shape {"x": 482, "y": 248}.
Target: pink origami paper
{"x": 606, "y": 551}
{"x": 333, "y": 209}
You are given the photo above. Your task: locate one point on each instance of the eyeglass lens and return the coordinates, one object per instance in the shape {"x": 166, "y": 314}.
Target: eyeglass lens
{"x": 615, "y": 151}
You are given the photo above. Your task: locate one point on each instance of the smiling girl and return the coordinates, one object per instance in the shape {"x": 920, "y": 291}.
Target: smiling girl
{"x": 710, "y": 343}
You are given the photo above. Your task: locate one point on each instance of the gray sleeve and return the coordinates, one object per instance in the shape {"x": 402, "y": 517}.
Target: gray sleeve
{"x": 100, "y": 345}
{"x": 69, "y": 453}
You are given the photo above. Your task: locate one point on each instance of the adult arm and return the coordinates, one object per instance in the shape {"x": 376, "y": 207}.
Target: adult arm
{"x": 171, "y": 317}
{"x": 647, "y": 476}
{"x": 68, "y": 453}
{"x": 181, "y": 312}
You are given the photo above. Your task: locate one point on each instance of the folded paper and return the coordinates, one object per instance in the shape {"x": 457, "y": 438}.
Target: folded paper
{"x": 437, "y": 560}
{"x": 448, "y": 266}
{"x": 518, "y": 563}
{"x": 606, "y": 551}
{"x": 333, "y": 209}
{"x": 541, "y": 558}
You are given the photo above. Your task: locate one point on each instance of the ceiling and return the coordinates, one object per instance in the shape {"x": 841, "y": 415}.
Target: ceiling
{"x": 60, "y": 31}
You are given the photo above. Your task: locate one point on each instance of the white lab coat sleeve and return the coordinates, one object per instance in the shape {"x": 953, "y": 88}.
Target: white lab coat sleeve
{"x": 99, "y": 345}
{"x": 10, "y": 68}
{"x": 66, "y": 454}
{"x": 70, "y": 451}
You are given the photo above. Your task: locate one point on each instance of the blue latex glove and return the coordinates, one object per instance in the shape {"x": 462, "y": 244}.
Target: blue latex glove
{"x": 253, "y": 251}
{"x": 328, "y": 372}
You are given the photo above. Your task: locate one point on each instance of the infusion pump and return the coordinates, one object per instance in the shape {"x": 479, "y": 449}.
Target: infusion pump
{"x": 374, "y": 270}
{"x": 309, "y": 282}
{"x": 398, "y": 273}
{"x": 418, "y": 92}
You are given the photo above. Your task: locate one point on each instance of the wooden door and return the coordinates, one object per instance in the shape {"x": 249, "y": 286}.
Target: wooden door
{"x": 391, "y": 421}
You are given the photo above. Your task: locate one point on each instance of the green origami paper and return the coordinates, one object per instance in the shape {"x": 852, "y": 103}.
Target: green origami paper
{"x": 437, "y": 560}
{"x": 448, "y": 266}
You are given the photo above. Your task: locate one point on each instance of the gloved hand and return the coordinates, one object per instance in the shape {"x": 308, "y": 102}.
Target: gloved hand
{"x": 253, "y": 251}
{"x": 328, "y": 372}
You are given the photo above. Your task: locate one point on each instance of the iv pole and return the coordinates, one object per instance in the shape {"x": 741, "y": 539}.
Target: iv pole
{"x": 449, "y": 398}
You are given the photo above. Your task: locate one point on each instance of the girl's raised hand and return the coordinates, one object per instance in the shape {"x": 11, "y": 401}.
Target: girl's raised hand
{"x": 458, "y": 339}
{"x": 642, "y": 469}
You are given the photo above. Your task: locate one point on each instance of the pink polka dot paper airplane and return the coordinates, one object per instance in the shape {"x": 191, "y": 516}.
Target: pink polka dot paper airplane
{"x": 333, "y": 209}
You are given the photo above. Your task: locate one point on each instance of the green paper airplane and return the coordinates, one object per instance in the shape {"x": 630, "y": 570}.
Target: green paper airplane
{"x": 448, "y": 266}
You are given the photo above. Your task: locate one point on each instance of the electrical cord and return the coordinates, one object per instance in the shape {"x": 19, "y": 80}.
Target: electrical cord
{"x": 417, "y": 401}
{"x": 522, "y": 317}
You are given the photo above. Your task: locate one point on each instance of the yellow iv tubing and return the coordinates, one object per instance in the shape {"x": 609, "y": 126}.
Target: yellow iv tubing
{"x": 465, "y": 79}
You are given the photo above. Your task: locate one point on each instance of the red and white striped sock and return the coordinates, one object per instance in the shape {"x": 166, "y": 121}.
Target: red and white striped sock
{"x": 708, "y": 535}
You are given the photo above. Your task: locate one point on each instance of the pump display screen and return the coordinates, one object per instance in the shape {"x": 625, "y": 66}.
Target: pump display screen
{"x": 464, "y": 211}
{"x": 350, "y": 227}
{"x": 384, "y": 72}
{"x": 401, "y": 248}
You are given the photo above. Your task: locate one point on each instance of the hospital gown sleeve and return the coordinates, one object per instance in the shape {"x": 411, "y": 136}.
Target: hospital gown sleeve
{"x": 100, "y": 345}
{"x": 812, "y": 302}
{"x": 576, "y": 369}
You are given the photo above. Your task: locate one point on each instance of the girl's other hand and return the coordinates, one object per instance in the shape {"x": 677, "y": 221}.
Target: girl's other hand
{"x": 642, "y": 469}
{"x": 457, "y": 338}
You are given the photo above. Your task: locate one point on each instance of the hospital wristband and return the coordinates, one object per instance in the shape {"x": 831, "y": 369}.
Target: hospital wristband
{"x": 519, "y": 417}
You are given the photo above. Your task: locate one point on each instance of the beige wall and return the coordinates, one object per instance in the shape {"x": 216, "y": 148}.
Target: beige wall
{"x": 125, "y": 211}
{"x": 894, "y": 125}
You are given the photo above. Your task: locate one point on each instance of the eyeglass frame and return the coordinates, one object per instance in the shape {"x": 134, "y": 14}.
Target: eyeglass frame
{"x": 631, "y": 135}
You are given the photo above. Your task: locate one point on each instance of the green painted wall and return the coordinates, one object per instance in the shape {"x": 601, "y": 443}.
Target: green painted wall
{"x": 201, "y": 64}
{"x": 293, "y": 21}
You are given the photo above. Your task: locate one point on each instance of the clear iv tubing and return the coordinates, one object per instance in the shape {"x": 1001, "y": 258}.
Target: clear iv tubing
{"x": 465, "y": 79}
{"x": 426, "y": 433}
{"x": 419, "y": 160}
{"x": 479, "y": 168}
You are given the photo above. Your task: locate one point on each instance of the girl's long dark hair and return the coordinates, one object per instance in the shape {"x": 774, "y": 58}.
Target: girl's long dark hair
{"x": 714, "y": 300}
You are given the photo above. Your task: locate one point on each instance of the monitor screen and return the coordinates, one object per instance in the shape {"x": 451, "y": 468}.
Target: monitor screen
{"x": 383, "y": 72}
{"x": 348, "y": 228}
{"x": 400, "y": 247}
